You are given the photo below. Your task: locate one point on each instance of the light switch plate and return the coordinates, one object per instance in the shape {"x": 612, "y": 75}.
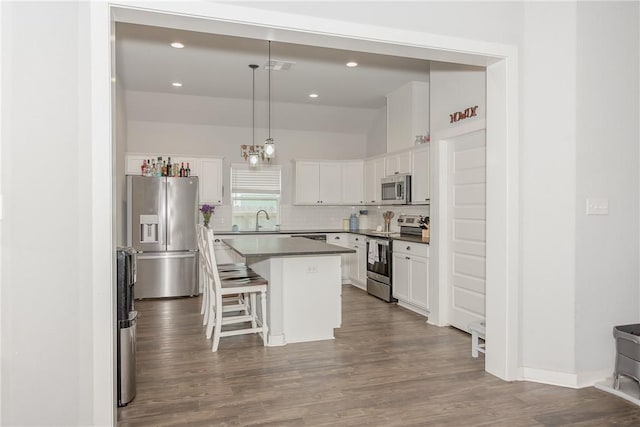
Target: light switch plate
{"x": 597, "y": 206}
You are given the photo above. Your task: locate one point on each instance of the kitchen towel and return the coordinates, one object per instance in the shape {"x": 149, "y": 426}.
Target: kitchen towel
{"x": 373, "y": 254}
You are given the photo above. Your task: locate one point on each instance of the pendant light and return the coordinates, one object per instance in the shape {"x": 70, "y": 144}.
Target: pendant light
{"x": 269, "y": 146}
{"x": 252, "y": 153}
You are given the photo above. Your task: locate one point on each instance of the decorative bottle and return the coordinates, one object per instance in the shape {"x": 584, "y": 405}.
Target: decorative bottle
{"x": 353, "y": 222}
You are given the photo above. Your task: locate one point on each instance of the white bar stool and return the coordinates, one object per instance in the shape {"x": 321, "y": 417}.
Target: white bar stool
{"x": 477, "y": 330}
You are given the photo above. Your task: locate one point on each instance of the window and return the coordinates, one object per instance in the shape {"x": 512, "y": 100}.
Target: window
{"x": 253, "y": 190}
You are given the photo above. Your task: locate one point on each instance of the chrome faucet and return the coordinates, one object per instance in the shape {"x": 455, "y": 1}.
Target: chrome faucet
{"x": 258, "y": 213}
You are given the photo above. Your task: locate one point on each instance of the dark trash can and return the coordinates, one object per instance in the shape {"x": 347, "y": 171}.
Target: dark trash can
{"x": 627, "y": 353}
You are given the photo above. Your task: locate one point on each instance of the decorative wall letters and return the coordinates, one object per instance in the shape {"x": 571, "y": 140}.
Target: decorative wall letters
{"x": 461, "y": 115}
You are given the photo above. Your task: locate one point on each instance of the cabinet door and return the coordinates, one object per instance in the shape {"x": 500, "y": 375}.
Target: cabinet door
{"x": 330, "y": 183}
{"x": 210, "y": 181}
{"x": 420, "y": 176}
{"x": 361, "y": 251}
{"x": 403, "y": 162}
{"x": 133, "y": 163}
{"x": 307, "y": 183}
{"x": 353, "y": 183}
{"x": 398, "y": 163}
{"x": 419, "y": 282}
{"x": 373, "y": 174}
{"x": 401, "y": 276}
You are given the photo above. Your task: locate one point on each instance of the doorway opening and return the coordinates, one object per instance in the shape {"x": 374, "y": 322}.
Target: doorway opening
{"x": 502, "y": 166}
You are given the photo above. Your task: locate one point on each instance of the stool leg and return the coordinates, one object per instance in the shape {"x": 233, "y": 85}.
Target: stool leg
{"x": 253, "y": 310}
{"x": 474, "y": 344}
{"x": 217, "y": 329}
{"x": 265, "y": 328}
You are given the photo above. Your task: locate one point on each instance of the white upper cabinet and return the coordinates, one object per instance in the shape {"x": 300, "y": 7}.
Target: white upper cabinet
{"x": 210, "y": 181}
{"x": 352, "y": 183}
{"x": 407, "y": 115}
{"x": 328, "y": 182}
{"x": 307, "y": 183}
{"x": 208, "y": 171}
{"x": 373, "y": 174}
{"x": 397, "y": 163}
{"x": 420, "y": 176}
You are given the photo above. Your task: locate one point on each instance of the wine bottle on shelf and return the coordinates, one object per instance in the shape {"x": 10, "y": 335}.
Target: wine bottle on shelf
{"x": 182, "y": 170}
{"x": 147, "y": 171}
{"x": 169, "y": 168}
{"x": 143, "y": 168}
{"x": 188, "y": 170}
{"x": 154, "y": 170}
{"x": 159, "y": 166}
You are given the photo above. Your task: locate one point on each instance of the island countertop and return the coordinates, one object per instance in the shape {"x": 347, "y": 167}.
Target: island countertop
{"x": 283, "y": 247}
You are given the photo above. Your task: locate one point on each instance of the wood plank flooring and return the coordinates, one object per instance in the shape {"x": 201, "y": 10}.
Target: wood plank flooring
{"x": 386, "y": 367}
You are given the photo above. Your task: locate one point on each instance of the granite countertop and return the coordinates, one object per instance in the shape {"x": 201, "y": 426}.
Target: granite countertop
{"x": 278, "y": 247}
{"x": 365, "y": 232}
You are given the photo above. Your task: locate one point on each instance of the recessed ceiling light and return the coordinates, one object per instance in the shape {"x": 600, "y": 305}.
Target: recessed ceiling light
{"x": 177, "y": 84}
{"x": 177, "y": 45}
{"x": 352, "y": 64}
{"x": 313, "y": 95}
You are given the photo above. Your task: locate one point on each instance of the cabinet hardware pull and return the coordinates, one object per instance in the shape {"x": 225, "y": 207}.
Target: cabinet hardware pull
{"x": 407, "y": 257}
{"x": 408, "y": 248}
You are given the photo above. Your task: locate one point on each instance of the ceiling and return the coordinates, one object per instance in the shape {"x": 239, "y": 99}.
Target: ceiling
{"x": 214, "y": 65}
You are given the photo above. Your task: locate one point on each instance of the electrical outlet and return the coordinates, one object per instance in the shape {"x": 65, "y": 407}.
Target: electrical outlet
{"x": 312, "y": 269}
{"x": 597, "y": 206}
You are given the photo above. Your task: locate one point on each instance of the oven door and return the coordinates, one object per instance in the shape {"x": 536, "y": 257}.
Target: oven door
{"x": 379, "y": 260}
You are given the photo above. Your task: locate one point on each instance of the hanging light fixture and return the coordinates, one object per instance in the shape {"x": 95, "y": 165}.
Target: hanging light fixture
{"x": 269, "y": 145}
{"x": 253, "y": 152}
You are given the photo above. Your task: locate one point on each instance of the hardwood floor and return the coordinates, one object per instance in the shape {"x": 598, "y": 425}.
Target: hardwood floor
{"x": 386, "y": 367}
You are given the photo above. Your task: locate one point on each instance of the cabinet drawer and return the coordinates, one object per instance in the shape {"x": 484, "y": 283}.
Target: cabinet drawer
{"x": 355, "y": 239}
{"x": 408, "y": 248}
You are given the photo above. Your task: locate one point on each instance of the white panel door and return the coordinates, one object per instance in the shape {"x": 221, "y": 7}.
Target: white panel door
{"x": 466, "y": 177}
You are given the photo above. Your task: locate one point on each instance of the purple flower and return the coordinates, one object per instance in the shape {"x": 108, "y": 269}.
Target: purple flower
{"x": 207, "y": 209}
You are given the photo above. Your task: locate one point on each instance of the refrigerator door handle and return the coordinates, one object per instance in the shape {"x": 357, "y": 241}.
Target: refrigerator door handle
{"x": 166, "y": 214}
{"x": 142, "y": 256}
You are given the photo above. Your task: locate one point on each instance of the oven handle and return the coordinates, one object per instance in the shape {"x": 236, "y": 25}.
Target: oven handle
{"x": 379, "y": 242}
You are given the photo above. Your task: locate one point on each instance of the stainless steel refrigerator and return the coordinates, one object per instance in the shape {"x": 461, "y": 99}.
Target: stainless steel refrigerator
{"x": 162, "y": 213}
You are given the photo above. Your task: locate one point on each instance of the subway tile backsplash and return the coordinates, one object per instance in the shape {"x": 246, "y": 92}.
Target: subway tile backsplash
{"x": 322, "y": 217}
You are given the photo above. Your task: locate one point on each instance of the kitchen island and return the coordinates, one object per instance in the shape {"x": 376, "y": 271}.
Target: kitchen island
{"x": 304, "y": 292}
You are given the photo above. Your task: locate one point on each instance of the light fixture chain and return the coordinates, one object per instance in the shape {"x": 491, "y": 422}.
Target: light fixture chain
{"x": 270, "y": 66}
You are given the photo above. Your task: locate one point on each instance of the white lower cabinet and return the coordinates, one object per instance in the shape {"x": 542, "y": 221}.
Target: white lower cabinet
{"x": 342, "y": 240}
{"x": 411, "y": 275}
{"x": 358, "y": 261}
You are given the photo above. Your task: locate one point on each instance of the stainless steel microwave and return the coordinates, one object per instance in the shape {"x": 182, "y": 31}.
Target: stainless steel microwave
{"x": 396, "y": 190}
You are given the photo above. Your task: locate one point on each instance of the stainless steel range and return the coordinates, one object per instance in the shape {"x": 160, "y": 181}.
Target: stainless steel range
{"x": 412, "y": 225}
{"x": 379, "y": 268}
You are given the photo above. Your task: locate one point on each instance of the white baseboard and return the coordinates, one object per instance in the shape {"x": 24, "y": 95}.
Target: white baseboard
{"x": 563, "y": 379}
{"x": 628, "y": 390}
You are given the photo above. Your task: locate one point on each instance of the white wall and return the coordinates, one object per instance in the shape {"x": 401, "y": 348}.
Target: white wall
{"x": 46, "y": 230}
{"x": 120, "y": 135}
{"x": 377, "y": 135}
{"x": 607, "y": 138}
{"x": 453, "y": 88}
{"x": 548, "y": 135}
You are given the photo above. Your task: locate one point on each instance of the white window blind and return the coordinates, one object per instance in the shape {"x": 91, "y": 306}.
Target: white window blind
{"x": 264, "y": 180}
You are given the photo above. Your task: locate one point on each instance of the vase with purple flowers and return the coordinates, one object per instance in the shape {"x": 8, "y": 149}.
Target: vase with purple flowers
{"x": 207, "y": 211}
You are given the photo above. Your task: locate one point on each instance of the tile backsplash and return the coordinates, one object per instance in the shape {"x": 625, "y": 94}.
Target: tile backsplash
{"x": 322, "y": 217}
